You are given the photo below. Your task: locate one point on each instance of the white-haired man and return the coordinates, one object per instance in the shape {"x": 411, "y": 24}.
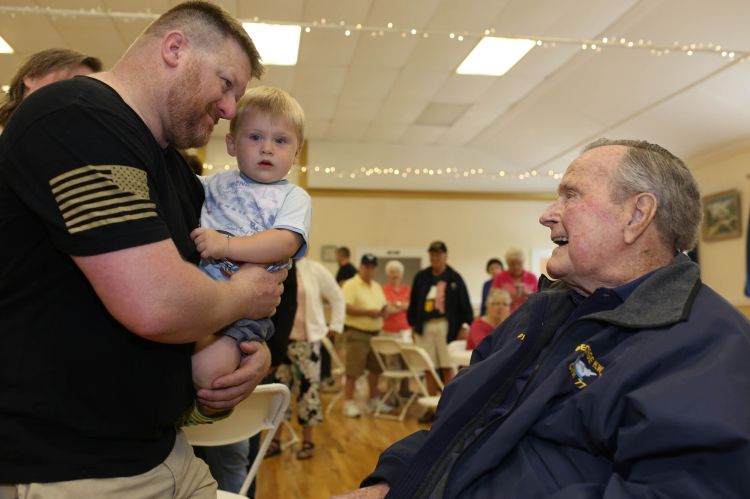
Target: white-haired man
{"x": 627, "y": 377}
{"x": 101, "y": 299}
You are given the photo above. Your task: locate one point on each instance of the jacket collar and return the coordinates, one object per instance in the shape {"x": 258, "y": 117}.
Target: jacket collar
{"x": 664, "y": 298}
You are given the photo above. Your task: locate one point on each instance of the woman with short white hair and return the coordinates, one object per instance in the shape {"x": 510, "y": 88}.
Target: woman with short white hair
{"x": 498, "y": 309}
{"x": 397, "y": 295}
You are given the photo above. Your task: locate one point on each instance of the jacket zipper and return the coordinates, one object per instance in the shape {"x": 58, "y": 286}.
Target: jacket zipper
{"x": 499, "y": 419}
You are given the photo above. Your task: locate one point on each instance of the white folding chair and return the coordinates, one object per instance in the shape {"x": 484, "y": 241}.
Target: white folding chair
{"x": 337, "y": 371}
{"x": 458, "y": 353}
{"x": 293, "y": 437}
{"x": 382, "y": 346}
{"x": 419, "y": 363}
{"x": 264, "y": 409}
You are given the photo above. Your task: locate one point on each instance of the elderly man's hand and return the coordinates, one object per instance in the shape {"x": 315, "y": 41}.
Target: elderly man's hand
{"x": 259, "y": 289}
{"x": 233, "y": 388}
{"x": 377, "y": 491}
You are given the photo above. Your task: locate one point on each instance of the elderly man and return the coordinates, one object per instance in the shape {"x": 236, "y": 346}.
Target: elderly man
{"x": 101, "y": 301}
{"x": 627, "y": 377}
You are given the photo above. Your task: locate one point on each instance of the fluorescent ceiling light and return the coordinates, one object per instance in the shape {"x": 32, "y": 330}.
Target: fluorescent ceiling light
{"x": 494, "y": 56}
{"x": 278, "y": 44}
{"x": 4, "y": 47}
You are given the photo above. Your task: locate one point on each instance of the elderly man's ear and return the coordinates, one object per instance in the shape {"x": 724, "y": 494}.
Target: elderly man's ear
{"x": 642, "y": 210}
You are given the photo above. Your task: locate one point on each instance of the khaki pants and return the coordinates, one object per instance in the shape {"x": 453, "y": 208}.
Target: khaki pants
{"x": 181, "y": 475}
{"x": 434, "y": 339}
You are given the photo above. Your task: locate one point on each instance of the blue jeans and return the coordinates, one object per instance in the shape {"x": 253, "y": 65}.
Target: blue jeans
{"x": 228, "y": 464}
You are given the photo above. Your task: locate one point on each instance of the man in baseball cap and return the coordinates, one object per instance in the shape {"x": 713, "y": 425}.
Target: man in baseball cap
{"x": 439, "y": 308}
{"x": 438, "y": 246}
{"x": 365, "y": 308}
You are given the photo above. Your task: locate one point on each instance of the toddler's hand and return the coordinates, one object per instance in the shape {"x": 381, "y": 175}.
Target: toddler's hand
{"x": 209, "y": 243}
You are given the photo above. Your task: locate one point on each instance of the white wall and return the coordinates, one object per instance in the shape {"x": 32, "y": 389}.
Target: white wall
{"x": 723, "y": 262}
{"x": 474, "y": 231}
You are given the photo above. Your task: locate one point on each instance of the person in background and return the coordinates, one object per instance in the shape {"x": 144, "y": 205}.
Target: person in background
{"x": 518, "y": 282}
{"x": 101, "y": 297}
{"x": 302, "y": 371}
{"x": 346, "y": 269}
{"x": 494, "y": 267}
{"x": 439, "y": 311}
{"x": 626, "y": 378}
{"x": 498, "y": 309}
{"x": 43, "y": 68}
{"x": 395, "y": 323}
{"x": 365, "y": 308}
{"x": 397, "y": 295}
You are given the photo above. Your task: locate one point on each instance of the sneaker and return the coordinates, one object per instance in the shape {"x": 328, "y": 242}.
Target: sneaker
{"x": 385, "y": 407}
{"x": 351, "y": 410}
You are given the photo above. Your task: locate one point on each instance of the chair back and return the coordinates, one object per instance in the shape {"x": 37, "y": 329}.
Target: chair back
{"x": 418, "y": 361}
{"x": 263, "y": 410}
{"x": 382, "y": 346}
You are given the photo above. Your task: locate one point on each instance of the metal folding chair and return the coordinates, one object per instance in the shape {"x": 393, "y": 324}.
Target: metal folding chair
{"x": 264, "y": 409}
{"x": 382, "y": 346}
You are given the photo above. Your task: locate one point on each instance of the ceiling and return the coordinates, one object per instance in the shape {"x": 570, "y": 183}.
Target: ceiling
{"x": 382, "y": 103}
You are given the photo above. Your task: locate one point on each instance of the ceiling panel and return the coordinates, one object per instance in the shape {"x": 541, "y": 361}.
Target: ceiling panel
{"x": 317, "y": 80}
{"x": 364, "y": 81}
{"x": 404, "y": 111}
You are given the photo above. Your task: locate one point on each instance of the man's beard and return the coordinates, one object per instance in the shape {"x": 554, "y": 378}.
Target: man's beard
{"x": 187, "y": 126}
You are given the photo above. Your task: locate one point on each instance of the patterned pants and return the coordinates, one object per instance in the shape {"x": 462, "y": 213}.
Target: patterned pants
{"x": 302, "y": 377}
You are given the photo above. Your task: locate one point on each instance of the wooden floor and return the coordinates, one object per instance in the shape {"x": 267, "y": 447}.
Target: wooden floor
{"x": 346, "y": 450}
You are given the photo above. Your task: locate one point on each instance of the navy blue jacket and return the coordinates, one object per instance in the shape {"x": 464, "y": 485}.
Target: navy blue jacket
{"x": 648, "y": 399}
{"x": 457, "y": 304}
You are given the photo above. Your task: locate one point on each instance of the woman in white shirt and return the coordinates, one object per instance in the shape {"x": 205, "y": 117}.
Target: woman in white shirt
{"x": 302, "y": 376}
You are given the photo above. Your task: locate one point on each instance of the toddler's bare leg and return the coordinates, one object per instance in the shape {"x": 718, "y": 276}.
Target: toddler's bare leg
{"x": 214, "y": 356}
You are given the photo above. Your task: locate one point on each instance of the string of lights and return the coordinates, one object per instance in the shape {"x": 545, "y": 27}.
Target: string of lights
{"x": 366, "y": 172}
{"x": 349, "y": 29}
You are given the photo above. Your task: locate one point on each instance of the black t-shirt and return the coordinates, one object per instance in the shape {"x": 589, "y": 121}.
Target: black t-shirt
{"x": 346, "y": 272}
{"x": 80, "y": 396}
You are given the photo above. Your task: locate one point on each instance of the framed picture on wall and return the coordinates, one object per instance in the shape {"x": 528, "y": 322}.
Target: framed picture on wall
{"x": 328, "y": 253}
{"x": 722, "y": 216}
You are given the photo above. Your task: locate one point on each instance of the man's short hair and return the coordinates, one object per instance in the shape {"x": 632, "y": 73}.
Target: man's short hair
{"x": 344, "y": 251}
{"x": 650, "y": 168}
{"x": 206, "y": 24}
{"x": 273, "y": 102}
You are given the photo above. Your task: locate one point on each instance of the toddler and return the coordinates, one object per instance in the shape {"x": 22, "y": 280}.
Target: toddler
{"x": 251, "y": 215}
